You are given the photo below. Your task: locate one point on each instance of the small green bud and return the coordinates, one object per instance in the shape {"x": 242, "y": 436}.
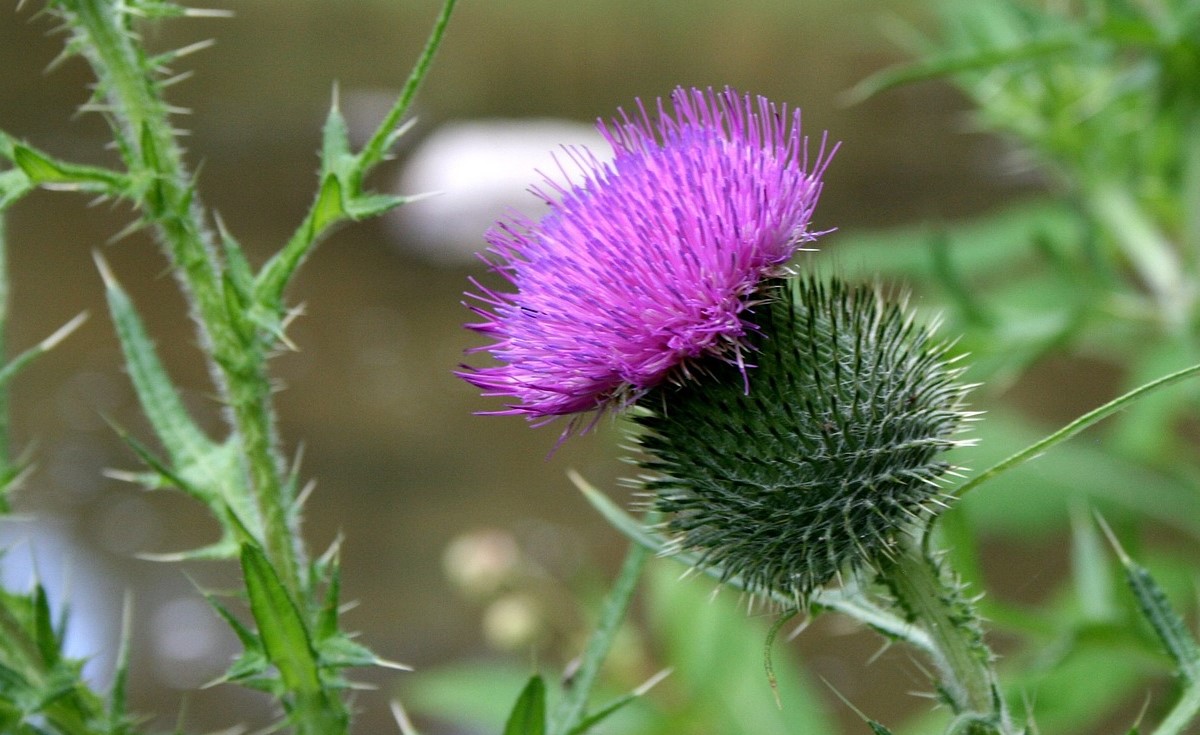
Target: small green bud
{"x": 830, "y": 452}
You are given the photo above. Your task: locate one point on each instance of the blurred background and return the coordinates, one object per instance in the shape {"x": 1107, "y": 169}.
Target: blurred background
{"x": 404, "y": 469}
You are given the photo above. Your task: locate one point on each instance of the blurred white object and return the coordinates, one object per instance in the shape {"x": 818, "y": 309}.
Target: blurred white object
{"x": 481, "y": 170}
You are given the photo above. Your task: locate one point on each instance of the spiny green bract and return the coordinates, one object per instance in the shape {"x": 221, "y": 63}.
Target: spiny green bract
{"x": 831, "y": 452}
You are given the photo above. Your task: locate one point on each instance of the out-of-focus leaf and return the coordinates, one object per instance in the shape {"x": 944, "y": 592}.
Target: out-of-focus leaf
{"x": 477, "y": 696}
{"x": 981, "y": 247}
{"x": 1172, "y": 632}
{"x": 1179, "y": 642}
{"x": 716, "y": 652}
{"x": 943, "y": 65}
{"x": 528, "y": 716}
{"x": 1090, "y": 570}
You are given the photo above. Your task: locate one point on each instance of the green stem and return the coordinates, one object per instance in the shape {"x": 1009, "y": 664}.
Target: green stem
{"x": 377, "y": 147}
{"x": 963, "y": 660}
{"x": 572, "y": 709}
{"x": 278, "y": 271}
{"x": 169, "y": 202}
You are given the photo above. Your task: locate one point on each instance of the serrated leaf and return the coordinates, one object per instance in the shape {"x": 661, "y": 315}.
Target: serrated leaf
{"x": 167, "y": 476}
{"x": 1168, "y": 626}
{"x": 252, "y": 669}
{"x": 340, "y": 652}
{"x": 528, "y": 716}
{"x": 183, "y": 440}
{"x": 281, "y": 628}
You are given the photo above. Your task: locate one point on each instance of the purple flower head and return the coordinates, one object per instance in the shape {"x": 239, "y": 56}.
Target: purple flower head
{"x": 647, "y": 263}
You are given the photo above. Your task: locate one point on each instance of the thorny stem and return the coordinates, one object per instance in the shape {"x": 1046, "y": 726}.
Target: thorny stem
{"x": 150, "y": 147}
{"x": 964, "y": 662}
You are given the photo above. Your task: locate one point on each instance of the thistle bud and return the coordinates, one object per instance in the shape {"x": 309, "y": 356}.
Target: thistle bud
{"x": 815, "y": 461}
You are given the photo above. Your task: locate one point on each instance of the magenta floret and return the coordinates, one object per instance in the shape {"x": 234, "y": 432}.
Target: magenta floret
{"x": 649, "y": 262}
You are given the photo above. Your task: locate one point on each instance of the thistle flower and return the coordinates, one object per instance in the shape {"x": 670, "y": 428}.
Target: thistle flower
{"x": 833, "y": 453}
{"x": 650, "y": 261}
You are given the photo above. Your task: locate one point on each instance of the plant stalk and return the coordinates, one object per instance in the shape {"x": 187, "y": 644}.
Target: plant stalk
{"x": 963, "y": 660}
{"x": 155, "y": 159}
{"x": 572, "y": 709}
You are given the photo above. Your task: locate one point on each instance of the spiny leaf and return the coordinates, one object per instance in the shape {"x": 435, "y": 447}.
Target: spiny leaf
{"x": 166, "y": 477}
{"x": 284, "y": 635}
{"x": 248, "y": 639}
{"x": 239, "y": 271}
{"x": 236, "y": 307}
{"x": 603, "y": 713}
{"x": 335, "y": 140}
{"x": 42, "y": 169}
{"x": 21, "y": 361}
{"x": 372, "y": 205}
{"x": 183, "y": 440}
{"x": 1152, "y": 602}
{"x": 528, "y": 716}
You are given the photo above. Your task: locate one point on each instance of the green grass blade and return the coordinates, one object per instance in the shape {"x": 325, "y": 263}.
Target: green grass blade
{"x": 1086, "y": 420}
